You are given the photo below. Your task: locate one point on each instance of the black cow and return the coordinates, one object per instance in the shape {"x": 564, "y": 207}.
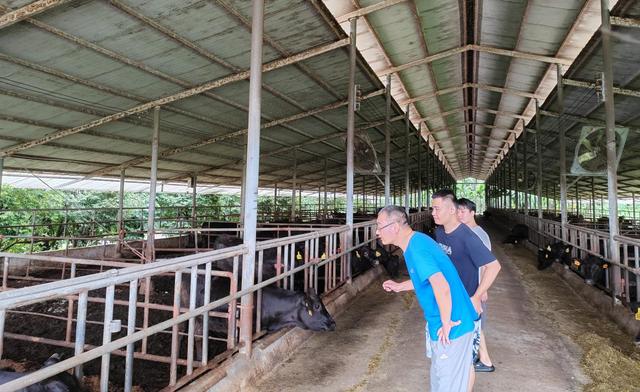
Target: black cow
{"x": 391, "y": 263}
{"x": 280, "y": 308}
{"x": 361, "y": 260}
{"x": 61, "y": 382}
{"x": 544, "y": 259}
{"x": 518, "y": 234}
{"x": 557, "y": 252}
{"x": 593, "y": 269}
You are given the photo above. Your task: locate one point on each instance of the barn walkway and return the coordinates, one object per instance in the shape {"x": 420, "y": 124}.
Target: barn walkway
{"x": 379, "y": 343}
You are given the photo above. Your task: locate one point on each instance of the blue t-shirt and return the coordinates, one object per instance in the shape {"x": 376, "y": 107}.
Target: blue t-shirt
{"x": 424, "y": 258}
{"x": 467, "y": 252}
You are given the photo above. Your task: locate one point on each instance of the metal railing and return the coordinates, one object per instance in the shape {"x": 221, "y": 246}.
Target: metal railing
{"x": 588, "y": 241}
{"x": 113, "y": 296}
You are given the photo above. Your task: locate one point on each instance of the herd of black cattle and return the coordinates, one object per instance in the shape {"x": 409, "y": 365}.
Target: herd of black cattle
{"x": 592, "y": 268}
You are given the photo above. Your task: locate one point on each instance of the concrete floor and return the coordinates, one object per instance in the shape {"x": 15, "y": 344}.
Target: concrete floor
{"x": 379, "y": 346}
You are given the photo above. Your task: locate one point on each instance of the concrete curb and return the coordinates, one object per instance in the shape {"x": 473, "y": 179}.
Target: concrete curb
{"x": 238, "y": 374}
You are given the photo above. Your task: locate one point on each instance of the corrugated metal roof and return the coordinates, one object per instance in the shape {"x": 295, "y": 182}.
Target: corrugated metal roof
{"x": 86, "y": 60}
{"x": 469, "y": 72}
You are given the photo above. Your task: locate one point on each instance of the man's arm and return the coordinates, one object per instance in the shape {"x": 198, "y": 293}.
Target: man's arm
{"x": 489, "y": 272}
{"x": 442, "y": 293}
{"x": 390, "y": 285}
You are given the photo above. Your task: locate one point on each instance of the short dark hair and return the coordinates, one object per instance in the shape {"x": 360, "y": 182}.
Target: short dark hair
{"x": 466, "y": 203}
{"x": 397, "y": 213}
{"x": 445, "y": 194}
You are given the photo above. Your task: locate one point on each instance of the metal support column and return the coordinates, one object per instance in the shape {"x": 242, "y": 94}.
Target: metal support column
{"x": 150, "y": 253}
{"x": 419, "y": 167}
{"x": 194, "y": 202}
{"x": 275, "y": 201}
{"x": 563, "y": 158}
{"x": 515, "y": 172}
{"x": 539, "y": 164}
{"x": 612, "y": 169}
{"x": 121, "y": 232}
{"x": 407, "y": 146}
{"x": 252, "y": 171}
{"x": 387, "y": 144}
{"x": 351, "y": 117}
{"x": 326, "y": 180}
{"x": 593, "y": 201}
{"x": 1, "y": 171}
{"x": 292, "y": 217}
{"x": 525, "y": 169}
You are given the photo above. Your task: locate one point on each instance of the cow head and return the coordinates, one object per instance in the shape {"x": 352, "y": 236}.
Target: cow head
{"x": 61, "y": 382}
{"x": 313, "y": 315}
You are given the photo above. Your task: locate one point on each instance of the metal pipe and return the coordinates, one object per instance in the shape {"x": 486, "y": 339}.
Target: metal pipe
{"x": 515, "y": 172}
{"x": 326, "y": 180}
{"x": 593, "y": 200}
{"x": 350, "y": 140}
{"x": 192, "y": 321}
{"x": 419, "y": 167}
{"x": 106, "y": 338}
{"x": 525, "y": 168}
{"x": 3, "y": 314}
{"x": 612, "y": 169}
{"x": 275, "y": 201}
{"x": 173, "y": 366}
{"x": 131, "y": 329}
{"x": 1, "y": 172}
{"x": 407, "y": 146}
{"x": 150, "y": 251}
{"x": 387, "y": 144}
{"x": 563, "y": 158}
{"x": 252, "y": 173}
{"x": 539, "y": 163}
{"x": 194, "y": 203}
{"x": 120, "y": 212}
{"x": 293, "y": 187}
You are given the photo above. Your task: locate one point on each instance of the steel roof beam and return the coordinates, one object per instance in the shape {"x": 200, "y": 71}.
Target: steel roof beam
{"x": 592, "y": 86}
{"x": 624, "y": 22}
{"x": 14, "y": 16}
{"x": 234, "y": 134}
{"x": 479, "y": 48}
{"x": 367, "y": 10}
{"x": 175, "y": 97}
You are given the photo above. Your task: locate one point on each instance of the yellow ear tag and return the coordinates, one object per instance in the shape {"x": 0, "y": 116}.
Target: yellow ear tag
{"x": 378, "y": 254}
{"x": 638, "y": 314}
{"x": 310, "y": 312}
{"x": 567, "y": 250}
{"x": 549, "y": 248}
{"x": 605, "y": 266}
{"x": 357, "y": 254}
{"x": 324, "y": 256}
{"x": 576, "y": 262}
{"x": 298, "y": 256}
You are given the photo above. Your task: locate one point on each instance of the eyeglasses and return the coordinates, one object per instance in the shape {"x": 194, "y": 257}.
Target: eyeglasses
{"x": 387, "y": 225}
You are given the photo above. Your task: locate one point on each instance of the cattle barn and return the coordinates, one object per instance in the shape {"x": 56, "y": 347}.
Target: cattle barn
{"x": 283, "y": 126}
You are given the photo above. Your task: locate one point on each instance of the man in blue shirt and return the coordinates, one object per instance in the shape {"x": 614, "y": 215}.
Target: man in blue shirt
{"x": 444, "y": 301}
{"x": 467, "y": 252}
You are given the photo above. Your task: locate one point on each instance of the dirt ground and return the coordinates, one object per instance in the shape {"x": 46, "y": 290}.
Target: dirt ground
{"x": 609, "y": 357}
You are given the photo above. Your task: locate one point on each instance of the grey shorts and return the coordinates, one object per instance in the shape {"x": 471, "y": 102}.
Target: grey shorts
{"x": 451, "y": 364}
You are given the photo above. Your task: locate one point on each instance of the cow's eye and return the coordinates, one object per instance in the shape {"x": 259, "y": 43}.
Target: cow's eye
{"x": 316, "y": 307}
